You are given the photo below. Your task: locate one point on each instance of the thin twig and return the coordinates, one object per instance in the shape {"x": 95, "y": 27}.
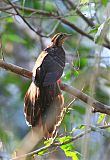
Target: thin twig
{"x": 37, "y": 32}
{"x": 87, "y": 20}
{"x": 1, "y": 51}
{"x": 55, "y": 16}
{"x": 58, "y": 144}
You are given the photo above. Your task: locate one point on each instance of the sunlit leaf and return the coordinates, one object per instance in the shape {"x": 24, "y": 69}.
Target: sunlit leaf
{"x": 82, "y": 126}
{"x": 76, "y": 73}
{"x": 13, "y": 38}
{"x": 83, "y": 62}
{"x": 67, "y": 75}
{"x": 73, "y": 155}
{"x": 102, "y": 31}
{"x": 63, "y": 139}
{"x": 95, "y": 29}
{"x": 68, "y": 148}
{"x": 84, "y": 1}
{"x": 4, "y": 137}
{"x": 9, "y": 20}
{"x": 42, "y": 152}
{"x": 104, "y": 2}
{"x": 48, "y": 142}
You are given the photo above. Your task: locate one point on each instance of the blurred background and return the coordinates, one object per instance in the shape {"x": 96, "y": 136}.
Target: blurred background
{"x": 87, "y": 68}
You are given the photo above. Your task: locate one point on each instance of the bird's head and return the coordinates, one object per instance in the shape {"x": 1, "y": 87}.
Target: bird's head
{"x": 59, "y": 38}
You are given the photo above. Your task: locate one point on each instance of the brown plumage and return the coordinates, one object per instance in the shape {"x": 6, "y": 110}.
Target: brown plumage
{"x": 43, "y": 102}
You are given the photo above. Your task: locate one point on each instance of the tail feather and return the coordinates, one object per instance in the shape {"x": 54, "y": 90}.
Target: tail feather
{"x": 31, "y": 104}
{"x": 43, "y": 107}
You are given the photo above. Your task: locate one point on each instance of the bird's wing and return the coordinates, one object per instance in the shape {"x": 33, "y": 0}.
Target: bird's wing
{"x": 48, "y": 72}
{"x": 39, "y": 62}
{"x": 31, "y": 99}
{"x": 54, "y": 70}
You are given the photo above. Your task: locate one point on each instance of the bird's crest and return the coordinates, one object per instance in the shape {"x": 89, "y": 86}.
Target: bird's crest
{"x": 59, "y": 38}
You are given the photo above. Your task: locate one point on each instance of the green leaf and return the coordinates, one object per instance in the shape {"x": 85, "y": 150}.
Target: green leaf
{"x": 48, "y": 142}
{"x": 76, "y": 73}
{"x": 4, "y": 136}
{"x": 79, "y": 109}
{"x": 9, "y": 20}
{"x": 13, "y": 38}
{"x": 83, "y": 62}
{"x": 42, "y": 152}
{"x": 94, "y": 30}
{"x": 64, "y": 139}
{"x": 104, "y": 2}
{"x": 49, "y": 6}
{"x": 98, "y": 35}
{"x": 72, "y": 154}
{"x": 68, "y": 148}
{"x": 101, "y": 117}
{"x": 67, "y": 75}
{"x": 102, "y": 31}
{"x": 82, "y": 126}
{"x": 23, "y": 5}
{"x": 84, "y": 1}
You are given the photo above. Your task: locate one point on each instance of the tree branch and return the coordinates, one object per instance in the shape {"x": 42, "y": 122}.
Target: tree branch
{"x": 58, "y": 144}
{"x": 26, "y": 22}
{"x": 15, "y": 69}
{"x": 92, "y": 128}
{"x": 55, "y": 16}
{"x": 97, "y": 106}
{"x": 73, "y": 26}
{"x": 87, "y": 20}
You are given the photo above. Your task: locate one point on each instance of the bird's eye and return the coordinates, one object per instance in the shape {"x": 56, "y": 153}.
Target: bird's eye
{"x": 61, "y": 36}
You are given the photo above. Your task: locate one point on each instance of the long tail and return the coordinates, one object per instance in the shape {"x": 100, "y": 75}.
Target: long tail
{"x": 43, "y": 107}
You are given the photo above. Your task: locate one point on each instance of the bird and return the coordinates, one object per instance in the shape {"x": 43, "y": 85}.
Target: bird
{"x": 43, "y": 101}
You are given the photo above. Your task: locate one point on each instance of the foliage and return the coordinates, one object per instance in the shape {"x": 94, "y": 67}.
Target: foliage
{"x": 68, "y": 148}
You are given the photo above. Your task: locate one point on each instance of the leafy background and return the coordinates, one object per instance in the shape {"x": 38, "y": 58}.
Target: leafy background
{"x": 21, "y": 46}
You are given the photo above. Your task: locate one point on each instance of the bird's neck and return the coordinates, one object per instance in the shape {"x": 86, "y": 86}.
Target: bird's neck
{"x": 54, "y": 45}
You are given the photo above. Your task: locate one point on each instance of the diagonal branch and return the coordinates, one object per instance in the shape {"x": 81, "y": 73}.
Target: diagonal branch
{"x": 73, "y": 26}
{"x": 53, "y": 15}
{"x": 97, "y": 106}
{"x": 15, "y": 69}
{"x": 17, "y": 12}
{"x": 87, "y": 20}
{"x": 92, "y": 128}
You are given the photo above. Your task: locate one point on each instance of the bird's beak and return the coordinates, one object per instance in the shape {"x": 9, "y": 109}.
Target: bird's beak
{"x": 67, "y": 36}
